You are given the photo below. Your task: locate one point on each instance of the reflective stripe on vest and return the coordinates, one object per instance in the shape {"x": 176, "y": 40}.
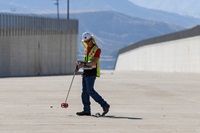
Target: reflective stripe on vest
{"x": 90, "y": 57}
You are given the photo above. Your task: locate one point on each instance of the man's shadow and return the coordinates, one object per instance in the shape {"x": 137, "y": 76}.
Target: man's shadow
{"x": 122, "y": 117}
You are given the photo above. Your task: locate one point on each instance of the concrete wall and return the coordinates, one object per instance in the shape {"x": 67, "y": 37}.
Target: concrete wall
{"x": 182, "y": 55}
{"x": 48, "y": 47}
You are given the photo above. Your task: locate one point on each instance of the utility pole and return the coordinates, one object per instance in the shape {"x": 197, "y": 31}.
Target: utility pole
{"x": 57, "y": 4}
{"x": 67, "y": 9}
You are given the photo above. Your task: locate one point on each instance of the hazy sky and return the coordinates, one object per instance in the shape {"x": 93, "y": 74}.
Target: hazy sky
{"x": 183, "y": 7}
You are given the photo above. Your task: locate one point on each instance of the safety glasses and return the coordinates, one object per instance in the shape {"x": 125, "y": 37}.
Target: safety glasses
{"x": 87, "y": 41}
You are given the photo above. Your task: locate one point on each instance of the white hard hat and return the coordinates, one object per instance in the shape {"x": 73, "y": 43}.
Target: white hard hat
{"x": 86, "y": 36}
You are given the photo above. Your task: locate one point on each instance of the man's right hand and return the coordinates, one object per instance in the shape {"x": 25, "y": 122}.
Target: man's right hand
{"x": 76, "y": 69}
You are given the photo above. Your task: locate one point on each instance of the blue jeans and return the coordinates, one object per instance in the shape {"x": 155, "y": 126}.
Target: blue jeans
{"x": 87, "y": 91}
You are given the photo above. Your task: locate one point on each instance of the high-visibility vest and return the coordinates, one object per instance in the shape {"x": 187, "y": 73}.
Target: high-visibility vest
{"x": 90, "y": 57}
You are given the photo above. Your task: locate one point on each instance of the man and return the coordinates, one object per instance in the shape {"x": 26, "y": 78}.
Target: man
{"x": 91, "y": 70}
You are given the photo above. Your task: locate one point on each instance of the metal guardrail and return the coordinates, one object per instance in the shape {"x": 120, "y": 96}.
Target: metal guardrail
{"x": 21, "y": 24}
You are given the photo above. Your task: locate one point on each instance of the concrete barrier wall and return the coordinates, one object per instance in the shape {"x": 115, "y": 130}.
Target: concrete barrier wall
{"x": 181, "y": 55}
{"x": 48, "y": 47}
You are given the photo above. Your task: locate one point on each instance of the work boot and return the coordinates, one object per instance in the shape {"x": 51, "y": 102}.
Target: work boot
{"x": 83, "y": 113}
{"x": 105, "y": 109}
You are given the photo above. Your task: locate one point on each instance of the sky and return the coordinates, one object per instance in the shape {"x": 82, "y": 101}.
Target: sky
{"x": 31, "y": 6}
{"x": 182, "y": 7}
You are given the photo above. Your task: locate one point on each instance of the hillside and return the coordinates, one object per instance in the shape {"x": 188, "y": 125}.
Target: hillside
{"x": 113, "y": 31}
{"x": 129, "y": 8}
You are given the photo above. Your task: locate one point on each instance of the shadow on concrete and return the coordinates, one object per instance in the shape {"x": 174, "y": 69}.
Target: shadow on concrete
{"x": 122, "y": 117}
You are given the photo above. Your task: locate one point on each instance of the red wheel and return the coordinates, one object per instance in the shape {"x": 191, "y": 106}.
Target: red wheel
{"x": 64, "y": 105}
